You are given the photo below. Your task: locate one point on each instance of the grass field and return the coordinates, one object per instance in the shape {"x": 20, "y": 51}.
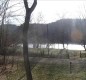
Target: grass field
{"x": 56, "y": 72}
{"x": 52, "y": 68}
{"x": 49, "y": 72}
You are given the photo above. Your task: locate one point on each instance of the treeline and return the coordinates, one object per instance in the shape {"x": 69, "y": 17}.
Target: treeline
{"x": 61, "y": 31}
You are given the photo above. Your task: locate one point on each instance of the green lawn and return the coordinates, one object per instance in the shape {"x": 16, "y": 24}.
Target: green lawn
{"x": 49, "y": 72}
{"x": 56, "y": 72}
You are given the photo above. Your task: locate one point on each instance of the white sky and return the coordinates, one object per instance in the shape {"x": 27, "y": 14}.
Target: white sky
{"x": 52, "y": 10}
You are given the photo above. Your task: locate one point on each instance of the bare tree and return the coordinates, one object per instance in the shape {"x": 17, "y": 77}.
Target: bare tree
{"x": 25, "y": 38}
{"x": 63, "y": 31}
{"x": 83, "y": 23}
{"x": 48, "y": 39}
{"x": 3, "y": 33}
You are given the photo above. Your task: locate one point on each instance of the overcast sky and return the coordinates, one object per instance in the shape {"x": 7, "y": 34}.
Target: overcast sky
{"x": 52, "y": 10}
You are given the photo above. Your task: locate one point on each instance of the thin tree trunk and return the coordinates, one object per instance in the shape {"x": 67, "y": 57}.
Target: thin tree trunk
{"x": 48, "y": 40}
{"x": 25, "y": 48}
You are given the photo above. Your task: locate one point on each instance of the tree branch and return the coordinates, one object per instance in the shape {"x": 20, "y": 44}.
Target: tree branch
{"x": 33, "y": 6}
{"x": 26, "y": 4}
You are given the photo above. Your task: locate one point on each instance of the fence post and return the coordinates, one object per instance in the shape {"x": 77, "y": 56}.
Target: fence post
{"x": 80, "y": 54}
{"x": 70, "y": 67}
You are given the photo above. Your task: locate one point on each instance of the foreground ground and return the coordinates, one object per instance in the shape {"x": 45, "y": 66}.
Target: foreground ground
{"x": 48, "y": 68}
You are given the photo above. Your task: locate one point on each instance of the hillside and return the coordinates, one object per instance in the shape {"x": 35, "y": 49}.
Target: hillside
{"x": 61, "y": 31}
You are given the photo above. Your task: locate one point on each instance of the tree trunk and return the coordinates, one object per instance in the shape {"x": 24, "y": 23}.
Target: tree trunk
{"x": 25, "y": 38}
{"x": 25, "y": 48}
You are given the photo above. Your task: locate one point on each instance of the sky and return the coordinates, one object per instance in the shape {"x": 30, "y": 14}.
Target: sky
{"x": 48, "y": 11}
{"x": 57, "y": 9}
